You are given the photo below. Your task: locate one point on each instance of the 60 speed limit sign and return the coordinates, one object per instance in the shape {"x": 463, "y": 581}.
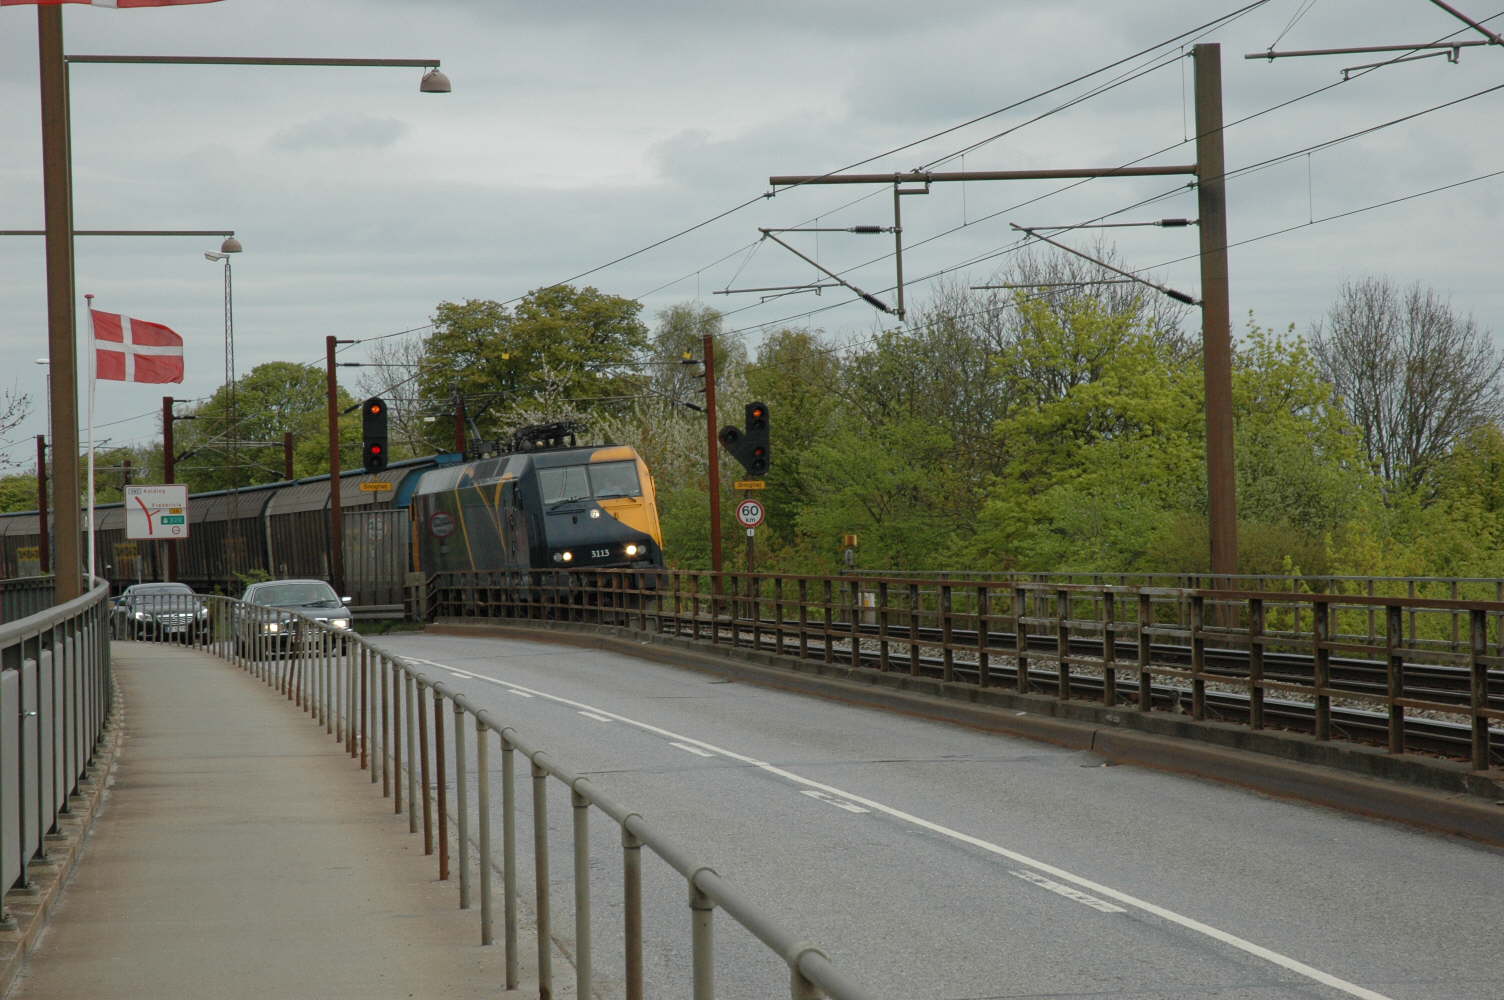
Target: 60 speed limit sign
{"x": 750, "y": 513}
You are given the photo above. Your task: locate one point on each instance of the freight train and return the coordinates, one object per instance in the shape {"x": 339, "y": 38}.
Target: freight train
{"x": 547, "y": 504}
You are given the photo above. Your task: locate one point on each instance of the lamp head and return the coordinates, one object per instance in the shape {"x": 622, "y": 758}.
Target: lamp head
{"x": 230, "y": 245}
{"x": 434, "y": 82}
{"x": 211, "y": 255}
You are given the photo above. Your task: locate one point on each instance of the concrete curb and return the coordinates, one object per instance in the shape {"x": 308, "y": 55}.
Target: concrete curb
{"x": 30, "y": 908}
{"x": 1439, "y": 795}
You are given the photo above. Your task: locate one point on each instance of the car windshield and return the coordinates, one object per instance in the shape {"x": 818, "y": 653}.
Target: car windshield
{"x": 157, "y": 595}
{"x": 287, "y": 595}
{"x": 580, "y": 482}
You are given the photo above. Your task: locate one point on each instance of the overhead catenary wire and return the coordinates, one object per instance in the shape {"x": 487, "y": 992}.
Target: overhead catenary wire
{"x": 1250, "y": 168}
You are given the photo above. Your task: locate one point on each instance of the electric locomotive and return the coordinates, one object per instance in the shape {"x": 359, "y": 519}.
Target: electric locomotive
{"x": 547, "y": 505}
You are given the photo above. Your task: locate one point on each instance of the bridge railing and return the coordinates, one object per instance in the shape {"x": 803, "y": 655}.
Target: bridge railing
{"x": 25, "y": 596}
{"x": 1409, "y": 673}
{"x": 392, "y": 717}
{"x": 55, "y": 696}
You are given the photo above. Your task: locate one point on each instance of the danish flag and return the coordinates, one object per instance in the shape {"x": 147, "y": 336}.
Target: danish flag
{"x": 133, "y": 350}
{"x": 102, "y": 3}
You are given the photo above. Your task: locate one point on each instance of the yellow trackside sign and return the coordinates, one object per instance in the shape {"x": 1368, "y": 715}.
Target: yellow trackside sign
{"x": 750, "y": 484}
{"x": 375, "y": 487}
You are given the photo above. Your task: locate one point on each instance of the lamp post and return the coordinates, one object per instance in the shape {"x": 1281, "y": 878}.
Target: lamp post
{"x": 230, "y": 246}
{"x": 57, "y": 196}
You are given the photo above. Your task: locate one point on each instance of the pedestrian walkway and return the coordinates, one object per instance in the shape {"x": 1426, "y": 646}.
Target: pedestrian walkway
{"x": 241, "y": 854}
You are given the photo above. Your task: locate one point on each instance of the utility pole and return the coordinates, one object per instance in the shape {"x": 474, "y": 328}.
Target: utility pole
{"x": 58, "y": 216}
{"x": 715, "y": 463}
{"x": 287, "y": 455}
{"x": 169, "y": 474}
{"x": 1216, "y": 320}
{"x": 1209, "y": 170}
{"x": 43, "y": 555}
{"x": 336, "y": 502}
{"x": 459, "y": 423}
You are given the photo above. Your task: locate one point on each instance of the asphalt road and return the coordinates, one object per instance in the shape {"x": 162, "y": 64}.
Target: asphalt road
{"x": 931, "y": 861}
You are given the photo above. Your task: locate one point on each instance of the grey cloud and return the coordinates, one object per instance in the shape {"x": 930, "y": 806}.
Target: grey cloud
{"x": 341, "y": 132}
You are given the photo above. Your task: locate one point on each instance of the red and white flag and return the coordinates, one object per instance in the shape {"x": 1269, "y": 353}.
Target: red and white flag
{"x": 133, "y": 350}
{"x": 101, "y": 3}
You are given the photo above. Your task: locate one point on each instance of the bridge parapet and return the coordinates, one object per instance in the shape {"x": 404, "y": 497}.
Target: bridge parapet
{"x": 55, "y": 695}
{"x": 1419, "y": 676}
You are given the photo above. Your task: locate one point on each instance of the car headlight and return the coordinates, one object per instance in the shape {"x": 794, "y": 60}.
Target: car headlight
{"x": 271, "y": 628}
{"x": 141, "y": 616}
{"x": 340, "y": 623}
{"x": 203, "y": 612}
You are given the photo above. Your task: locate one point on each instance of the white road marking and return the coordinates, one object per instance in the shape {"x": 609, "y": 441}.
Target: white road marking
{"x": 838, "y": 803}
{"x": 1064, "y": 890}
{"x": 1188, "y": 923}
{"x": 694, "y": 750}
{"x": 592, "y": 715}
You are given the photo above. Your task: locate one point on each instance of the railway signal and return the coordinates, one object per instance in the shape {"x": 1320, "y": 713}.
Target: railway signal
{"x": 750, "y": 447}
{"x": 373, "y": 433}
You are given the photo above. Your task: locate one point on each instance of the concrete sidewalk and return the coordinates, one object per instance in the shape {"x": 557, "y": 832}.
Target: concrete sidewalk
{"x": 241, "y": 853}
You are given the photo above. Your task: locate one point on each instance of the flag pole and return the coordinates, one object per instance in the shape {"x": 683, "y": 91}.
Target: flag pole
{"x": 93, "y": 361}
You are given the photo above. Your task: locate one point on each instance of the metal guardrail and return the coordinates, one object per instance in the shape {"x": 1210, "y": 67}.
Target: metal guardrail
{"x": 380, "y": 707}
{"x": 25, "y": 596}
{"x": 1000, "y": 633}
{"x": 55, "y": 696}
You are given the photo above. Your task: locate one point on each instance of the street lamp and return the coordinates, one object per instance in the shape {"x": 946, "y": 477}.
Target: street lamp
{"x": 230, "y": 246}
{"x": 47, "y": 363}
{"x": 57, "y": 197}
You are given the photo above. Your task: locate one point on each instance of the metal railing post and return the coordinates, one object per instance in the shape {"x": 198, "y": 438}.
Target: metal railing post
{"x": 509, "y": 857}
{"x": 382, "y": 667}
{"x": 462, "y": 801}
{"x": 540, "y": 879}
{"x": 631, "y": 867}
{"x": 441, "y": 783}
{"x": 702, "y": 941}
{"x": 423, "y": 755}
{"x": 1256, "y": 663}
{"x": 1394, "y": 626}
{"x": 1321, "y": 613}
{"x": 397, "y": 675}
{"x": 410, "y": 735}
{"x": 582, "y": 956}
{"x": 1478, "y": 670}
{"x": 483, "y": 810}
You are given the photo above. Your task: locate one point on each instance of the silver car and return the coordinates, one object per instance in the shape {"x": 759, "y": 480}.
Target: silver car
{"x": 279, "y": 628}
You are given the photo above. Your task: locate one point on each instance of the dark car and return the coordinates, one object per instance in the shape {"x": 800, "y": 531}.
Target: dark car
{"x": 159, "y": 611}
{"x": 279, "y": 626}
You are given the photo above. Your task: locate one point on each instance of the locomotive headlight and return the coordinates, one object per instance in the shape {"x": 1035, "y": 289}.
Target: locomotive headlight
{"x": 566, "y": 556}
{"x": 633, "y": 549}
{"x": 594, "y": 512}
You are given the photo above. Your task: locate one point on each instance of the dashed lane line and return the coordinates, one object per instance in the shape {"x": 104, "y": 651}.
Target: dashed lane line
{"x": 1056, "y": 874}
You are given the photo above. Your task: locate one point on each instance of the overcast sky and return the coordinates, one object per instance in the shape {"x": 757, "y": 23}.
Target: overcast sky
{"x": 579, "y": 132}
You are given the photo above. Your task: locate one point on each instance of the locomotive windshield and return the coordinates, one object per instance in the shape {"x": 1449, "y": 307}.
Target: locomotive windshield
{"x": 601, "y": 480}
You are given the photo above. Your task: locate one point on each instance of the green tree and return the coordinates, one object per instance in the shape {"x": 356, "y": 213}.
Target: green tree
{"x": 883, "y": 484}
{"x": 18, "y": 493}
{"x": 561, "y": 350}
{"x": 272, "y": 399}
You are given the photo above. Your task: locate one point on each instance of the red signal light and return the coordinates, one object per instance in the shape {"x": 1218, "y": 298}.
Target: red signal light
{"x": 375, "y": 408}
{"x": 375, "y": 449}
